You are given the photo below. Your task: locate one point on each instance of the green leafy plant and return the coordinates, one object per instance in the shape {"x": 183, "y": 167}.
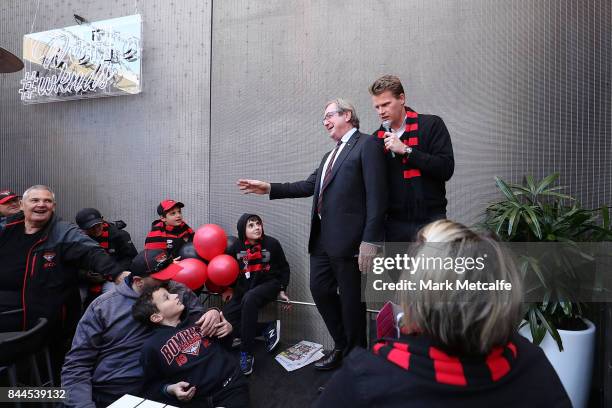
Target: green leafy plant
{"x": 538, "y": 211}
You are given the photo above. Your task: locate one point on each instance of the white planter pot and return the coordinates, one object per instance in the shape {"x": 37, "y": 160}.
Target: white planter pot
{"x": 574, "y": 364}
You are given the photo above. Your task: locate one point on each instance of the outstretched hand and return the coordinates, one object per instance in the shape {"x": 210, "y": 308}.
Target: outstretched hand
{"x": 253, "y": 186}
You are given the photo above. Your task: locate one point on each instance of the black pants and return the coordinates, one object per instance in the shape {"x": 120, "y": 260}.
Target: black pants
{"x": 242, "y": 310}
{"x": 335, "y": 284}
{"x": 234, "y": 395}
{"x": 398, "y": 229}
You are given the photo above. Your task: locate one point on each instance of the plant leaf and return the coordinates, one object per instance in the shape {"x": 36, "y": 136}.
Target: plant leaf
{"x": 505, "y": 189}
{"x": 546, "y": 181}
{"x": 550, "y": 328}
{"x": 533, "y": 222}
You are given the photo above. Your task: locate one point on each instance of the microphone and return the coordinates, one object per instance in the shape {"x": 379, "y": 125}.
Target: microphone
{"x": 387, "y": 126}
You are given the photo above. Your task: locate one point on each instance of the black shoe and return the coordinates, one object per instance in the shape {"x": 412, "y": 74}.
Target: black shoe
{"x": 272, "y": 335}
{"x": 330, "y": 361}
{"x": 320, "y": 390}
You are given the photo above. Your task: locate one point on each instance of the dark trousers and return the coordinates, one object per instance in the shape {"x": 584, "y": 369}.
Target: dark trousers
{"x": 399, "y": 229}
{"x": 242, "y": 310}
{"x": 234, "y": 395}
{"x": 335, "y": 284}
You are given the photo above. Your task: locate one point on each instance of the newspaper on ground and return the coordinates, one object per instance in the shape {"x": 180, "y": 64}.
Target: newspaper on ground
{"x": 300, "y": 355}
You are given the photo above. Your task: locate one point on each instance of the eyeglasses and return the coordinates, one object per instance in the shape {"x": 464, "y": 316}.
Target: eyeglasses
{"x": 329, "y": 115}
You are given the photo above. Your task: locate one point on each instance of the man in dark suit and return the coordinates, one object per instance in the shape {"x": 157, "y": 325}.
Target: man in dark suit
{"x": 347, "y": 221}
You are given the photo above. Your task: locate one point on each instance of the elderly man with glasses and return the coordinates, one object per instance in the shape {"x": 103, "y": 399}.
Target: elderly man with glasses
{"x": 346, "y": 222}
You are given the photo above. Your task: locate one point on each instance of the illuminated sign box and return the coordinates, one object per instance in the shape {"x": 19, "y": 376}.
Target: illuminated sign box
{"x": 91, "y": 60}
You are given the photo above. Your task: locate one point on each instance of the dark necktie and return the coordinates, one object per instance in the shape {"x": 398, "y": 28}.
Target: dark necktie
{"x": 328, "y": 172}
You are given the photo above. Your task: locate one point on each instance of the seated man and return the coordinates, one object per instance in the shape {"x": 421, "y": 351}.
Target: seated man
{"x": 9, "y": 204}
{"x": 264, "y": 275}
{"x": 41, "y": 256}
{"x": 112, "y": 237}
{"x": 103, "y": 363}
{"x": 181, "y": 364}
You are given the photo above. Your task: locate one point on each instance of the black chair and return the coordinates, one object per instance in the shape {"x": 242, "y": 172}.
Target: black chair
{"x": 11, "y": 320}
{"x": 20, "y": 348}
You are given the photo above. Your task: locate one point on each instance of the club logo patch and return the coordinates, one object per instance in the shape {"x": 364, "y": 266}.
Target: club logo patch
{"x": 192, "y": 348}
{"x": 49, "y": 256}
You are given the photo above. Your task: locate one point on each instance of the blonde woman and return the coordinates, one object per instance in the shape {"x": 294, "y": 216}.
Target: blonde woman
{"x": 458, "y": 347}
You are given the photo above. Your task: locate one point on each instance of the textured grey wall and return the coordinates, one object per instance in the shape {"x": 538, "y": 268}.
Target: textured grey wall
{"x": 524, "y": 87}
{"x": 122, "y": 154}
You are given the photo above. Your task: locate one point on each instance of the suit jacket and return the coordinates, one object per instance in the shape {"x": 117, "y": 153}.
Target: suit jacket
{"x": 354, "y": 201}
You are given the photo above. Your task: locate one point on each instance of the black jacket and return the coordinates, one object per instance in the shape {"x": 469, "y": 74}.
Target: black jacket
{"x": 275, "y": 264}
{"x": 50, "y": 280}
{"x": 368, "y": 380}
{"x": 120, "y": 246}
{"x": 433, "y": 156}
{"x": 354, "y": 202}
{"x": 181, "y": 353}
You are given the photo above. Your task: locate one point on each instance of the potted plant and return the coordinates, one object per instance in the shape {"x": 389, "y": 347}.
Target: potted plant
{"x": 538, "y": 211}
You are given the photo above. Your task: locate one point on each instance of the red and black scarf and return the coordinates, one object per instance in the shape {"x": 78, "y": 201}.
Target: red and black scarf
{"x": 410, "y": 138}
{"x": 418, "y": 356}
{"x": 253, "y": 260}
{"x": 160, "y": 233}
{"x": 410, "y": 175}
{"x": 103, "y": 239}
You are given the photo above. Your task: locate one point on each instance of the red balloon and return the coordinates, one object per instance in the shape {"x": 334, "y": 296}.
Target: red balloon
{"x": 214, "y": 288}
{"x": 223, "y": 270}
{"x": 209, "y": 241}
{"x": 193, "y": 274}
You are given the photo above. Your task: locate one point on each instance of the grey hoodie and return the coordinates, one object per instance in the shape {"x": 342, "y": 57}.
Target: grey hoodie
{"x": 105, "y": 352}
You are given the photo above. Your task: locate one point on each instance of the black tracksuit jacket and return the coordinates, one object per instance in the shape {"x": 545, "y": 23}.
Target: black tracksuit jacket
{"x": 50, "y": 279}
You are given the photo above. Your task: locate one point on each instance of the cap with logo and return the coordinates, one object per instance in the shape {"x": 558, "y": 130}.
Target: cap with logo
{"x": 88, "y": 217}
{"x": 155, "y": 263}
{"x": 167, "y": 205}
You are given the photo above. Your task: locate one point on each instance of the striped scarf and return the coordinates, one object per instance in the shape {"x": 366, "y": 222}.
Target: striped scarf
{"x": 253, "y": 259}
{"x": 104, "y": 242}
{"x": 103, "y": 239}
{"x": 161, "y": 233}
{"x": 431, "y": 362}
{"x": 410, "y": 138}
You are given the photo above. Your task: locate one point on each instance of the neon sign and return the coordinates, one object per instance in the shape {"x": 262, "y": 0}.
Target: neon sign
{"x": 84, "y": 61}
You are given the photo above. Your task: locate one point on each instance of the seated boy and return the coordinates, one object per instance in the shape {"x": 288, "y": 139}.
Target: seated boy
{"x": 169, "y": 232}
{"x": 264, "y": 275}
{"x": 115, "y": 241}
{"x": 181, "y": 366}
